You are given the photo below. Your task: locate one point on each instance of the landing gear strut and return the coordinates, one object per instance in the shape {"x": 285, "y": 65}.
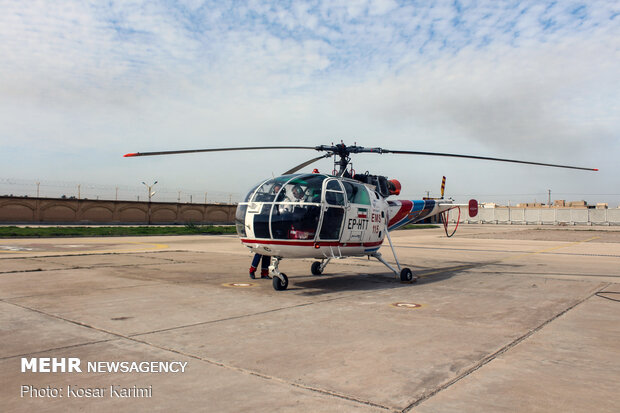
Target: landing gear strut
{"x": 405, "y": 273}
{"x": 280, "y": 280}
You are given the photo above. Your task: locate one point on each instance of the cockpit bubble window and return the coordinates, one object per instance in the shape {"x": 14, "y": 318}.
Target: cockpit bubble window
{"x": 240, "y": 219}
{"x": 286, "y": 207}
{"x": 356, "y": 193}
{"x": 251, "y": 192}
{"x": 289, "y": 188}
{"x": 268, "y": 191}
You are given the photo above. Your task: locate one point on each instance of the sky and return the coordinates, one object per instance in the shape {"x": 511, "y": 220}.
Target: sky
{"x": 84, "y": 82}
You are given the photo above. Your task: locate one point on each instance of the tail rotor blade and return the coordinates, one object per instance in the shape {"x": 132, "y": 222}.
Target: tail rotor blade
{"x": 443, "y": 186}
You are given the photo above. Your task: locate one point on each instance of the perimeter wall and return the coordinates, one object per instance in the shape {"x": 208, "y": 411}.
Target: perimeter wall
{"x": 540, "y": 216}
{"x": 18, "y": 210}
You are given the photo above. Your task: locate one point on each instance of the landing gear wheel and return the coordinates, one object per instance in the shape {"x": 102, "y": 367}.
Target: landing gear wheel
{"x": 316, "y": 268}
{"x": 406, "y": 275}
{"x": 280, "y": 284}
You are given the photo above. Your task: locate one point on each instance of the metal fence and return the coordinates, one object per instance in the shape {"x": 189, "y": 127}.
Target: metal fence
{"x": 84, "y": 190}
{"x": 541, "y": 216}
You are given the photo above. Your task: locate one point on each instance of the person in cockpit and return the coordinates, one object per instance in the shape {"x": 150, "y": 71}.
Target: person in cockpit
{"x": 298, "y": 194}
{"x": 278, "y": 193}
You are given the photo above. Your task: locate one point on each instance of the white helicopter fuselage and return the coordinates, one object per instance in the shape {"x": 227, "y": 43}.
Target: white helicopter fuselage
{"x": 334, "y": 217}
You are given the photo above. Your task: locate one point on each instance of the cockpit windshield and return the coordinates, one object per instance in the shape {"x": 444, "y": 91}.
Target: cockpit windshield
{"x": 289, "y": 188}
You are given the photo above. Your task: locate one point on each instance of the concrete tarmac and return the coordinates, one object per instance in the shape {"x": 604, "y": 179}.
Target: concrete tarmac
{"x": 503, "y": 319}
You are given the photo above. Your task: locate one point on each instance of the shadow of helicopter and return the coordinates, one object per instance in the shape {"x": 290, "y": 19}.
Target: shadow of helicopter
{"x": 326, "y": 284}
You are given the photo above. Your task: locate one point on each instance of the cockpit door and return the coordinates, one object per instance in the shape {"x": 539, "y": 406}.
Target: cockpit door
{"x": 333, "y": 210}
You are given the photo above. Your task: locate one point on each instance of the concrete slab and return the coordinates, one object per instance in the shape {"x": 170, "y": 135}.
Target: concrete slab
{"x": 328, "y": 344}
{"x": 26, "y": 332}
{"x": 570, "y": 365}
{"x": 59, "y": 284}
{"x": 498, "y": 315}
{"x": 216, "y": 388}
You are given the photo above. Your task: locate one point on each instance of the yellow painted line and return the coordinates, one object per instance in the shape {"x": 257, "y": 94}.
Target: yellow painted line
{"x": 426, "y": 274}
{"x": 510, "y": 257}
{"x": 525, "y": 254}
{"x": 153, "y": 247}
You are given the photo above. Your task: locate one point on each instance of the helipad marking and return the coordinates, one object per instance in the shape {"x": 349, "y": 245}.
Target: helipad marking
{"x": 238, "y": 285}
{"x": 407, "y": 305}
{"x": 14, "y": 248}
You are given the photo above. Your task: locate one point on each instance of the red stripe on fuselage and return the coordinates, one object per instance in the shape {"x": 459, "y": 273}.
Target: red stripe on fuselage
{"x": 311, "y": 243}
{"x": 405, "y": 208}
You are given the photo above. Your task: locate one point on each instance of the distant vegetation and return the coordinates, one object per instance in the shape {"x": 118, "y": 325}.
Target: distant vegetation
{"x": 190, "y": 229}
{"x": 104, "y": 231}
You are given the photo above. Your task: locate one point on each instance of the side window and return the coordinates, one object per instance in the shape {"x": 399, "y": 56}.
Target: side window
{"x": 333, "y": 193}
{"x": 356, "y": 193}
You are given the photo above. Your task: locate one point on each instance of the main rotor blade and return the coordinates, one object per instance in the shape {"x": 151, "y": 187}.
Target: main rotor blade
{"x": 486, "y": 158}
{"x": 242, "y": 148}
{"x": 303, "y": 165}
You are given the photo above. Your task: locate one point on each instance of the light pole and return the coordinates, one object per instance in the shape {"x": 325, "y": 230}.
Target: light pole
{"x": 150, "y": 195}
{"x": 149, "y": 189}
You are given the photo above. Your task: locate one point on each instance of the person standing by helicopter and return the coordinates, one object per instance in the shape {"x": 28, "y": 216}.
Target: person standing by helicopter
{"x": 264, "y": 267}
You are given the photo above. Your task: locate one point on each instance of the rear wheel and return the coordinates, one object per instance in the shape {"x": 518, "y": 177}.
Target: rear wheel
{"x": 280, "y": 284}
{"x": 406, "y": 275}
{"x": 316, "y": 268}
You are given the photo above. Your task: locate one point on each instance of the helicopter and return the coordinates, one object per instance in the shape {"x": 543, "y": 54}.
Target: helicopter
{"x": 334, "y": 216}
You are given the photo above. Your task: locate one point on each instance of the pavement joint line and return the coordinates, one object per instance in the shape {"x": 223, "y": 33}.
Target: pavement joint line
{"x": 266, "y": 376}
{"x": 82, "y": 254}
{"x": 507, "y": 251}
{"x": 218, "y": 320}
{"x": 273, "y": 310}
{"x": 501, "y": 351}
{"x": 213, "y": 362}
{"x": 510, "y": 257}
{"x": 525, "y": 254}
{"x": 58, "y": 317}
{"x": 57, "y": 348}
{"x": 95, "y": 289}
{"x": 551, "y": 274}
{"x": 92, "y": 267}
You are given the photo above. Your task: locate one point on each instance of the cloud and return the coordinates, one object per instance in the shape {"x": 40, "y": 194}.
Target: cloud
{"x": 512, "y": 79}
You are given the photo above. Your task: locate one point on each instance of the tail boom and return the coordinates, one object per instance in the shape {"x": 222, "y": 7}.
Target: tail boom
{"x": 403, "y": 212}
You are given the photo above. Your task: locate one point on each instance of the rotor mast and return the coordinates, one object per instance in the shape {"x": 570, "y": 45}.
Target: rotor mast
{"x": 343, "y": 151}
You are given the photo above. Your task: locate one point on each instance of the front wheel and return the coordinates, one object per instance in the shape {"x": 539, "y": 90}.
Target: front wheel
{"x": 316, "y": 268}
{"x": 280, "y": 284}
